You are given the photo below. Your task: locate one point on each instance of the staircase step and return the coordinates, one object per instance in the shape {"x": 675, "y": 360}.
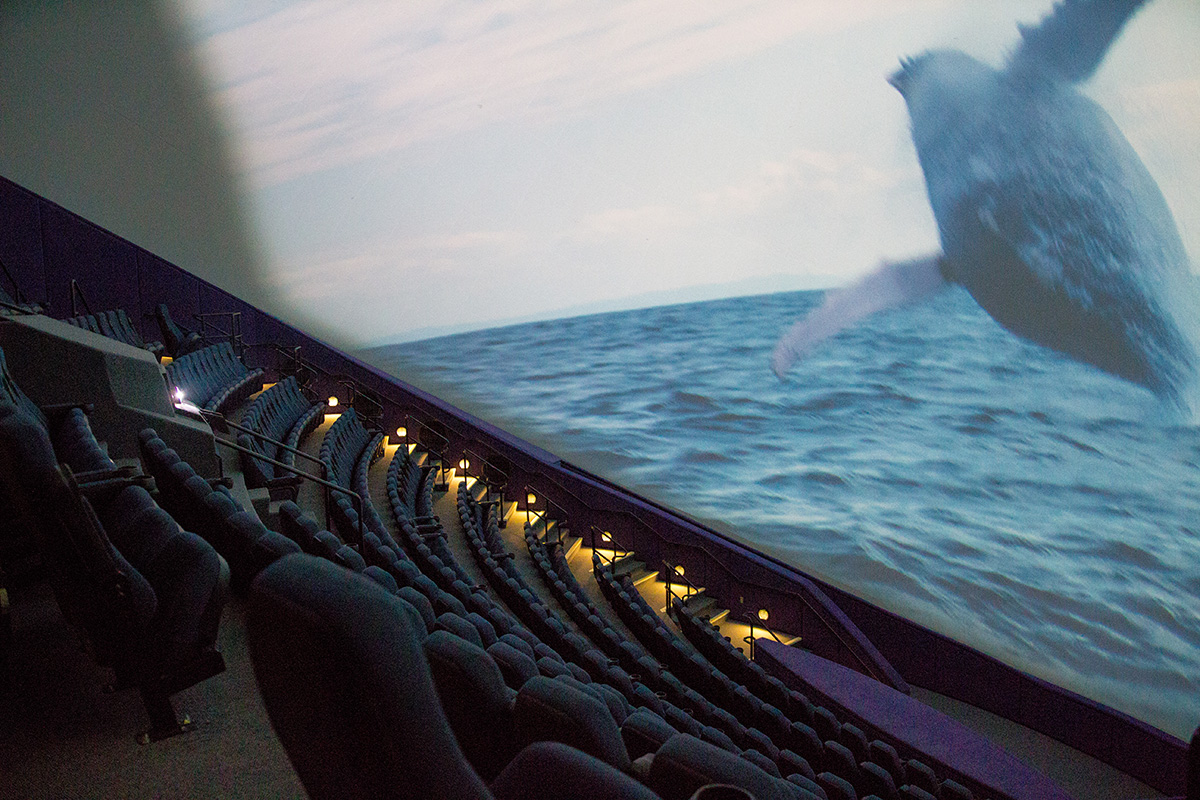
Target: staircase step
{"x": 571, "y": 545}
{"x": 627, "y": 565}
{"x": 700, "y": 605}
{"x": 644, "y": 575}
{"x": 719, "y": 617}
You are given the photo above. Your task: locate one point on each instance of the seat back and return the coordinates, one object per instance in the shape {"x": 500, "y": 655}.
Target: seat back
{"x": 346, "y": 685}
{"x": 97, "y": 589}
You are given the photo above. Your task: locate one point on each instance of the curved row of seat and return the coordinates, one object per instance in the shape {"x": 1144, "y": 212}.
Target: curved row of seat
{"x": 410, "y": 495}
{"x": 214, "y": 378}
{"x": 280, "y": 415}
{"x": 348, "y": 451}
{"x": 209, "y": 509}
{"x": 757, "y": 718}
{"x": 675, "y": 705}
{"x": 853, "y": 766}
{"x": 487, "y": 674}
{"x": 415, "y": 700}
{"x": 116, "y": 324}
{"x": 145, "y": 594}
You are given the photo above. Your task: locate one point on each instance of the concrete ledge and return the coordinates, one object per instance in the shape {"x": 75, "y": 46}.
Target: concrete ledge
{"x": 56, "y": 363}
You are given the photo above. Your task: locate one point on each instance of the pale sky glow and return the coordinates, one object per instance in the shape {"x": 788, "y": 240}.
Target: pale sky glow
{"x": 421, "y": 165}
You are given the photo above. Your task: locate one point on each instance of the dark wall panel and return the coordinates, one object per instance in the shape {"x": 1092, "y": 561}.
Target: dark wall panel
{"x": 21, "y": 242}
{"x": 162, "y": 282}
{"x": 105, "y": 265}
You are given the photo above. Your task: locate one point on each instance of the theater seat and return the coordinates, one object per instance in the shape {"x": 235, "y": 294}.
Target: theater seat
{"x": 345, "y": 682}
{"x": 685, "y": 764}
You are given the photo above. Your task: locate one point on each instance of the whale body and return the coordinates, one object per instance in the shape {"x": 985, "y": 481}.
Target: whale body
{"x": 1045, "y": 213}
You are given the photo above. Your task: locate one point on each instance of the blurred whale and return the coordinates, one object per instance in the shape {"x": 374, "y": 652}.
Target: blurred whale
{"x": 1046, "y": 214}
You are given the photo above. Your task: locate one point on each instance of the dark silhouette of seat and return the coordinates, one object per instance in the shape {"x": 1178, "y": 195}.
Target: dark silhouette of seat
{"x": 177, "y": 341}
{"x": 345, "y": 681}
{"x": 115, "y": 324}
{"x": 149, "y": 609}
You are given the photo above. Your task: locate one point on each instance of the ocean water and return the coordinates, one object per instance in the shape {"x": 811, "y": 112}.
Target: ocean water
{"x": 927, "y": 460}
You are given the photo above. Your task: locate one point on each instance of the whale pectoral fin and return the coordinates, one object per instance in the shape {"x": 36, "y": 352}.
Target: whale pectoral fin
{"x": 891, "y": 286}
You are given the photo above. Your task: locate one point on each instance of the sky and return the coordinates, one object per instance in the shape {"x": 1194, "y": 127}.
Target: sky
{"x": 425, "y": 167}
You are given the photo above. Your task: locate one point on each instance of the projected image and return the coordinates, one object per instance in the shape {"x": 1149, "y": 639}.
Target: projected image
{"x": 896, "y": 292}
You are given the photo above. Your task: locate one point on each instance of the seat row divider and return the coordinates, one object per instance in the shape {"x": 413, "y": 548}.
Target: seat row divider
{"x": 224, "y": 420}
{"x": 329, "y": 485}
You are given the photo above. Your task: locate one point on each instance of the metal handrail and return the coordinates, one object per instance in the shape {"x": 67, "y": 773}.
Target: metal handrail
{"x": 20, "y": 309}
{"x": 18, "y": 295}
{"x": 474, "y": 458}
{"x": 358, "y": 395}
{"x": 76, "y": 289}
{"x": 818, "y": 613}
{"x": 618, "y": 549}
{"x": 750, "y": 639}
{"x": 437, "y": 455}
{"x": 678, "y": 577}
{"x": 329, "y": 485}
{"x": 545, "y": 516}
{"x": 224, "y": 420}
{"x": 235, "y": 328}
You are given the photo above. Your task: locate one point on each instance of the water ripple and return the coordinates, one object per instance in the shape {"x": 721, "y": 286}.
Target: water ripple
{"x": 927, "y": 460}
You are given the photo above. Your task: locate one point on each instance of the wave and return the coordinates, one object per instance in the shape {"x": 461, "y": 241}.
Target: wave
{"x": 997, "y": 492}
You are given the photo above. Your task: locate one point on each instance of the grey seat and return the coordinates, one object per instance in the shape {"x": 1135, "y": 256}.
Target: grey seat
{"x": 348, "y": 690}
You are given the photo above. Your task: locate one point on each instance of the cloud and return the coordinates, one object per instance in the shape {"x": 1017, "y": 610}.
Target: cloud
{"x": 315, "y": 85}
{"x": 799, "y": 214}
{"x": 824, "y": 183}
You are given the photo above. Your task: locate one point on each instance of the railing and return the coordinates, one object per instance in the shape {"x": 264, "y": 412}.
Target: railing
{"x": 493, "y": 494}
{"x": 224, "y": 421}
{"x": 674, "y": 575}
{"x": 328, "y": 485}
{"x": 234, "y": 334}
{"x": 323, "y": 480}
{"x": 436, "y": 450}
{"x": 366, "y": 406}
{"x": 77, "y": 291}
{"x": 607, "y": 542}
{"x": 750, "y": 639}
{"x": 807, "y": 608}
{"x": 297, "y": 366}
{"x": 17, "y": 295}
{"x": 16, "y": 307}
{"x": 545, "y": 516}
{"x": 476, "y": 466}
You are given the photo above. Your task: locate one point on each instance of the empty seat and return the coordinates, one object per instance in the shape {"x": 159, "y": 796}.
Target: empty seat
{"x": 148, "y": 608}
{"x": 214, "y": 378}
{"x": 348, "y": 691}
{"x": 115, "y": 324}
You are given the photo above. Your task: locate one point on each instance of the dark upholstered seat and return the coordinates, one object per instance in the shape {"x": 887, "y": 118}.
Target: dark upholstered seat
{"x": 147, "y": 598}
{"x": 347, "y": 687}
{"x": 684, "y": 764}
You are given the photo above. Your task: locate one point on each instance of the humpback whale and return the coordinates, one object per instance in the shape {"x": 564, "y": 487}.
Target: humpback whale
{"x": 1045, "y": 213}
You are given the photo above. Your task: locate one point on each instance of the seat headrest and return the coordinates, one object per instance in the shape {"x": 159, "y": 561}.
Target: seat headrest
{"x": 344, "y": 678}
